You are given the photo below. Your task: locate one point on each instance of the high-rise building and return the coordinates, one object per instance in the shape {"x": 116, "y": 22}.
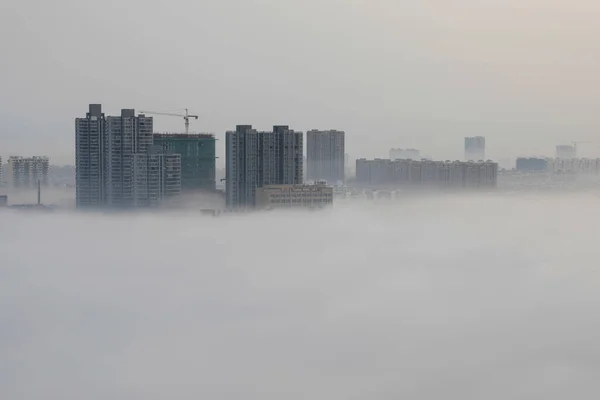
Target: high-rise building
{"x": 405, "y": 154}
{"x": 90, "y": 133}
{"x": 255, "y": 159}
{"x": 126, "y": 136}
{"x": 566, "y": 152}
{"x": 25, "y": 172}
{"x": 325, "y": 155}
{"x": 156, "y": 177}
{"x": 197, "y": 158}
{"x": 117, "y": 164}
{"x": 475, "y": 148}
{"x": 1, "y": 172}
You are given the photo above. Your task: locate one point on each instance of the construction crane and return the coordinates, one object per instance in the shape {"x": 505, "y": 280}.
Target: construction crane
{"x": 186, "y": 117}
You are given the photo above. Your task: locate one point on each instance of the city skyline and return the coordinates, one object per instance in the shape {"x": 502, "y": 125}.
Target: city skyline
{"x": 478, "y": 69}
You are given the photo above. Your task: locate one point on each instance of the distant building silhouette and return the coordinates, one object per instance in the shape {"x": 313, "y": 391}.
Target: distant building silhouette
{"x": 475, "y": 148}
{"x": 566, "y": 152}
{"x": 25, "y": 172}
{"x": 440, "y": 174}
{"x": 405, "y": 154}
{"x": 326, "y": 156}
{"x": 531, "y": 164}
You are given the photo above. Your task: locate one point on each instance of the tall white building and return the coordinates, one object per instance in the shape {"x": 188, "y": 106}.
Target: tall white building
{"x": 25, "y": 172}
{"x": 325, "y": 155}
{"x": 475, "y": 148}
{"x": 255, "y": 159}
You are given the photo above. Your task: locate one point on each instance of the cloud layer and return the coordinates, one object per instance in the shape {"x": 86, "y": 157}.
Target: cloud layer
{"x": 453, "y": 297}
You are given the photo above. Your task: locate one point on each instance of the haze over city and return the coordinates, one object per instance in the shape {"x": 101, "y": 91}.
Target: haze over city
{"x": 268, "y": 199}
{"x": 421, "y": 74}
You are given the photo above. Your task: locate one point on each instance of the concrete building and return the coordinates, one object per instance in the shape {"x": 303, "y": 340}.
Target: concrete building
{"x": 25, "y": 172}
{"x": 326, "y": 156}
{"x": 255, "y": 159}
{"x": 475, "y": 148}
{"x": 197, "y": 158}
{"x": 126, "y": 135}
{"x": 90, "y": 133}
{"x": 156, "y": 177}
{"x": 531, "y": 164}
{"x": 405, "y": 154}
{"x": 117, "y": 164}
{"x": 426, "y": 174}
{"x": 580, "y": 166}
{"x": 1, "y": 172}
{"x": 294, "y": 196}
{"x": 566, "y": 152}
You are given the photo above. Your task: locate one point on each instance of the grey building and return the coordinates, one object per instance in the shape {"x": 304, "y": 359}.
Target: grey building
{"x": 475, "y": 148}
{"x": 405, "y": 154}
{"x": 383, "y": 173}
{"x": 25, "y": 172}
{"x": 255, "y": 159}
{"x": 156, "y": 177}
{"x": 325, "y": 155}
{"x": 126, "y": 136}
{"x": 566, "y": 152}
{"x": 90, "y": 157}
{"x": 117, "y": 164}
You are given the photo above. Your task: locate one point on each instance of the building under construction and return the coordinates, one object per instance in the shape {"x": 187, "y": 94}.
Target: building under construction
{"x": 197, "y": 158}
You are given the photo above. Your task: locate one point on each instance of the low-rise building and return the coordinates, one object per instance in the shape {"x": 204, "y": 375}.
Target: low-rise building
{"x": 531, "y": 164}
{"x": 440, "y": 174}
{"x": 294, "y": 196}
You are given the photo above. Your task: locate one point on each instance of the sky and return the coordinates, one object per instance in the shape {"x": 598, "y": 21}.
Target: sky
{"x": 391, "y": 73}
{"x": 428, "y": 299}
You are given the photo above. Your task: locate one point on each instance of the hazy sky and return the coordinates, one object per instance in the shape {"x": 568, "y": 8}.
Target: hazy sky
{"x": 391, "y": 73}
{"x": 426, "y": 300}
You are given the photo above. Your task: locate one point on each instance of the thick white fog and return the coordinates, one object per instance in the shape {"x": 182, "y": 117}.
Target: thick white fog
{"x": 453, "y": 297}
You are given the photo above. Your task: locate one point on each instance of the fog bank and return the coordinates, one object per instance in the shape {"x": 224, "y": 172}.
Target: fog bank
{"x": 454, "y": 297}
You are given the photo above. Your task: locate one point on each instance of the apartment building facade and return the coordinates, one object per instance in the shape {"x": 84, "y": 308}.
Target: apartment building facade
{"x": 423, "y": 174}
{"x": 25, "y": 172}
{"x": 325, "y": 155}
{"x": 255, "y": 159}
{"x": 314, "y": 196}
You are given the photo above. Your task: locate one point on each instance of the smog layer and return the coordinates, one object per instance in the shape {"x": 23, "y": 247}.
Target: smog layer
{"x": 481, "y": 297}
